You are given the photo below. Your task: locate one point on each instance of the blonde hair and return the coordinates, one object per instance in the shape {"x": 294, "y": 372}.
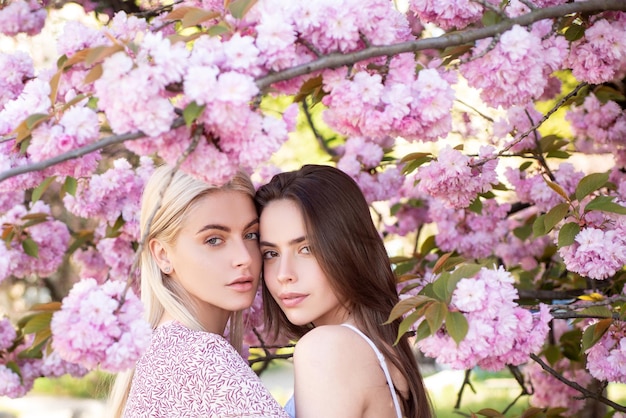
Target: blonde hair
{"x": 166, "y": 200}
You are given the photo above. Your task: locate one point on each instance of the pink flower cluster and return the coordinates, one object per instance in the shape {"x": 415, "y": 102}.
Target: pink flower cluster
{"x": 100, "y": 326}
{"x": 454, "y": 180}
{"x": 51, "y": 237}
{"x": 360, "y": 158}
{"x": 516, "y": 70}
{"x": 21, "y": 16}
{"x": 112, "y": 194}
{"x": 533, "y": 189}
{"x": 600, "y": 56}
{"x": 500, "y": 331}
{"x": 598, "y": 252}
{"x": 7, "y": 334}
{"x": 606, "y": 359}
{"x": 471, "y": 234}
{"x": 549, "y": 392}
{"x": 448, "y": 14}
{"x": 402, "y": 104}
{"x": 598, "y": 127}
{"x": 17, "y": 69}
{"x": 519, "y": 120}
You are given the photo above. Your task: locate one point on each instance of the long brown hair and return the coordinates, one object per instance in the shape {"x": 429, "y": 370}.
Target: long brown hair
{"x": 351, "y": 253}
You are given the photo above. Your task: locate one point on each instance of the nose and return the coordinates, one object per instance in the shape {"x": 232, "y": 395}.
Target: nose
{"x": 286, "y": 273}
{"x": 242, "y": 254}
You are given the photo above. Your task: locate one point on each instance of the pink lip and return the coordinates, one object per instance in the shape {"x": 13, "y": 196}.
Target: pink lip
{"x": 242, "y": 284}
{"x": 291, "y": 300}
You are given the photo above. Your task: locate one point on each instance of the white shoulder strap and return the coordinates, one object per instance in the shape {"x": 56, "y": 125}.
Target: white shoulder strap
{"x": 383, "y": 365}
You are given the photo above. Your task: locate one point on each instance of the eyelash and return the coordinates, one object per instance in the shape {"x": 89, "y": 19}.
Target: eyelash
{"x": 254, "y": 236}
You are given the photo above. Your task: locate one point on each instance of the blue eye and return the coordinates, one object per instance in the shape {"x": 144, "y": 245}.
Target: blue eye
{"x": 253, "y": 236}
{"x": 214, "y": 241}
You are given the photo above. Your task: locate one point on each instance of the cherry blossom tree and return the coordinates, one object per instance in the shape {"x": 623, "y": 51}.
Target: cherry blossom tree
{"x": 488, "y": 136}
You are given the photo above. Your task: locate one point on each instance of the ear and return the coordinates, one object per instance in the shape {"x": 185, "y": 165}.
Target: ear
{"x": 159, "y": 253}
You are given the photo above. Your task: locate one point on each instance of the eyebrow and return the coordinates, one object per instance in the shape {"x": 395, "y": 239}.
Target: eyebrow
{"x": 292, "y": 242}
{"x": 225, "y": 228}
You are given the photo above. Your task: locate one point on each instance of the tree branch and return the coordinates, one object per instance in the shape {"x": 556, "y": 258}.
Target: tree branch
{"x": 584, "y": 391}
{"x": 338, "y": 59}
{"x": 79, "y": 152}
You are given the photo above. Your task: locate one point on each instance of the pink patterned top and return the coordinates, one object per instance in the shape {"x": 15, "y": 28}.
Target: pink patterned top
{"x": 186, "y": 373}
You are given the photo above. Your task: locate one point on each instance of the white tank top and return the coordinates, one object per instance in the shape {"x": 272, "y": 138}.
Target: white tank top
{"x": 383, "y": 365}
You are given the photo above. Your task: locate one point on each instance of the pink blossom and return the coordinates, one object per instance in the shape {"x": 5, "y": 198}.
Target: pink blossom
{"x": 596, "y": 253}
{"x": 548, "y": 392}
{"x": 16, "y": 68}
{"x": 94, "y": 327}
{"x": 7, "y": 333}
{"x": 447, "y": 14}
{"x": 21, "y": 16}
{"x": 452, "y": 179}
{"x": 601, "y": 54}
{"x": 500, "y": 332}
{"x": 606, "y": 360}
{"x": 77, "y": 36}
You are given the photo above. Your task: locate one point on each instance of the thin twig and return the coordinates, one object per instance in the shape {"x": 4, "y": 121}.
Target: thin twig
{"x": 320, "y": 139}
{"x": 466, "y": 382}
{"x": 587, "y": 393}
{"x": 534, "y": 127}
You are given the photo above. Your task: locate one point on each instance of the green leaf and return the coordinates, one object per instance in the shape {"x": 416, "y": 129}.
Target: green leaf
{"x": 70, "y": 185}
{"x": 218, "y": 29}
{"x": 598, "y": 311}
{"x": 239, "y": 8}
{"x": 423, "y": 331}
{"x": 590, "y": 184}
{"x": 406, "y": 305}
{"x": 490, "y": 18}
{"x": 558, "y": 154}
{"x": 605, "y": 93}
{"x": 310, "y": 87}
{"x": 594, "y": 332}
{"x": 605, "y": 204}
{"x": 552, "y": 354}
{"x": 406, "y": 324}
{"x": 574, "y": 32}
{"x": 567, "y": 234}
{"x": 35, "y": 119}
{"x": 428, "y": 245}
{"x": 532, "y": 412}
{"x": 489, "y": 412}
{"x": 457, "y": 326}
{"x": 539, "y": 226}
{"x": 38, "y": 322}
{"x": 191, "y": 112}
{"x": 194, "y": 16}
{"x": 523, "y": 232}
{"x": 435, "y": 314}
{"x": 555, "y": 215}
{"x": 557, "y": 189}
{"x": 30, "y": 247}
{"x": 39, "y": 190}
{"x": 476, "y": 206}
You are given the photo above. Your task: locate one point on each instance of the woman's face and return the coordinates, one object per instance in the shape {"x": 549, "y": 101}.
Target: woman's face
{"x": 290, "y": 270}
{"x": 216, "y": 256}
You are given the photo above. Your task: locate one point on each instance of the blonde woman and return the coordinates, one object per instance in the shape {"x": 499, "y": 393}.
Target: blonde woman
{"x": 199, "y": 268}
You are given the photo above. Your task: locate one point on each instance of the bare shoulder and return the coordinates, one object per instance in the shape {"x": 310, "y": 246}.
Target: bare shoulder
{"x": 332, "y": 342}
